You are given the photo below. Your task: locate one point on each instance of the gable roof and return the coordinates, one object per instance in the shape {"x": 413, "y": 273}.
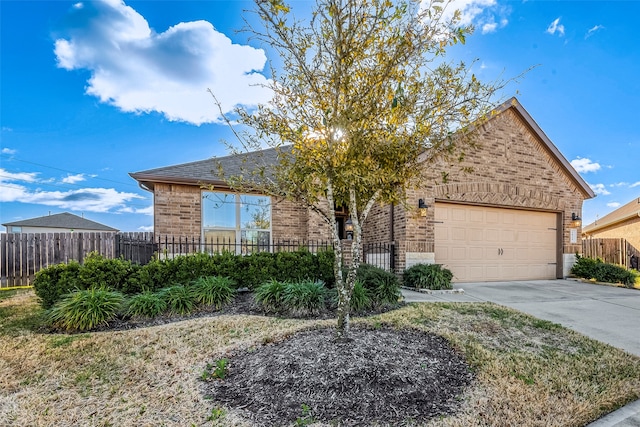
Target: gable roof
{"x": 624, "y": 213}
{"x": 206, "y": 171}
{"x": 515, "y": 105}
{"x": 62, "y": 220}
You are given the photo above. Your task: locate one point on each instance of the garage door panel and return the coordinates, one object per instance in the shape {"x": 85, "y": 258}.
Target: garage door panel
{"x": 483, "y": 244}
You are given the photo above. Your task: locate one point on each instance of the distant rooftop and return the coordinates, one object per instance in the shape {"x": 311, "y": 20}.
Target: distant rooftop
{"x": 623, "y": 213}
{"x": 64, "y": 220}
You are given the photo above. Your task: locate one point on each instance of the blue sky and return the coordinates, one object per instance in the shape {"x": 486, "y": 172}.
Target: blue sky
{"x": 90, "y": 91}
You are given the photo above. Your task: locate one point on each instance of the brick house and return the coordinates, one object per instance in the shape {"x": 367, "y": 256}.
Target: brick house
{"x": 510, "y": 218}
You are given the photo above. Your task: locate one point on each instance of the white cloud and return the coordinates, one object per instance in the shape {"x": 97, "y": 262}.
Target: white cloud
{"x": 84, "y": 199}
{"x": 619, "y": 184}
{"x": 599, "y": 189}
{"x": 489, "y": 28}
{"x": 9, "y": 151}
{"x": 556, "y": 27}
{"x": 141, "y": 71}
{"x": 584, "y": 165}
{"x": 593, "y": 30}
{"x": 487, "y": 15}
{"x": 635, "y": 184}
{"x": 6, "y": 176}
{"x": 613, "y": 204}
{"x": 72, "y": 179}
{"x": 146, "y": 228}
{"x": 146, "y": 211}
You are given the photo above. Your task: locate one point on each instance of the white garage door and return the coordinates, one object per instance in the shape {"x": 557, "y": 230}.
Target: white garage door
{"x": 492, "y": 244}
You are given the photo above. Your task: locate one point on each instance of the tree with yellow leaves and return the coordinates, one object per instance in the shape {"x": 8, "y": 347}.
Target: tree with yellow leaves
{"x": 363, "y": 101}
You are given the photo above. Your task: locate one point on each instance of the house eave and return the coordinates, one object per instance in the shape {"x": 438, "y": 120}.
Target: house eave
{"x": 147, "y": 181}
{"x": 595, "y": 227}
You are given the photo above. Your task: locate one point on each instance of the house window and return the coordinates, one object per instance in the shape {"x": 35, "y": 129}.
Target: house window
{"x": 238, "y": 223}
{"x": 15, "y": 229}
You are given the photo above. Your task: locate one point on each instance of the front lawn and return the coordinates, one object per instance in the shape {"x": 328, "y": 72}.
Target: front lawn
{"x": 526, "y": 371}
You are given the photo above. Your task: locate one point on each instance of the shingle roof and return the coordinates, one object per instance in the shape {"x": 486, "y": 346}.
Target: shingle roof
{"x": 628, "y": 211}
{"x": 207, "y": 171}
{"x": 62, "y": 220}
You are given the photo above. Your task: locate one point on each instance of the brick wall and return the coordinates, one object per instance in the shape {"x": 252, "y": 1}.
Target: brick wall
{"x": 177, "y": 210}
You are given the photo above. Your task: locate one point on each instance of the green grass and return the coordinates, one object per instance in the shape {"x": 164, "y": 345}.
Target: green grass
{"x": 528, "y": 372}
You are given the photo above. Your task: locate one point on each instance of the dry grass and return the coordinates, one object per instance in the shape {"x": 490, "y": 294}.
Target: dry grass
{"x": 529, "y": 372}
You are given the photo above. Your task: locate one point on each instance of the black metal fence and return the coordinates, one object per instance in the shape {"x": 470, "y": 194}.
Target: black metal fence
{"x": 381, "y": 255}
{"x": 23, "y": 255}
{"x": 141, "y": 249}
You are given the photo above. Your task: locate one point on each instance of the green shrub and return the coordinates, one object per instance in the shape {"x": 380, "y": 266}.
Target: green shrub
{"x": 270, "y": 296}
{"x": 360, "y": 299}
{"x": 179, "y": 299}
{"x": 53, "y": 282}
{"x": 98, "y": 271}
{"x": 86, "y": 309}
{"x": 146, "y": 304}
{"x": 324, "y": 260}
{"x": 585, "y": 267}
{"x": 428, "y": 276}
{"x": 305, "y": 296}
{"x": 383, "y": 286}
{"x": 589, "y": 268}
{"x": 213, "y": 291}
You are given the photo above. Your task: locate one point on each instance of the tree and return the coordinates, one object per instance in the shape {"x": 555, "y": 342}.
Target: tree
{"x": 363, "y": 101}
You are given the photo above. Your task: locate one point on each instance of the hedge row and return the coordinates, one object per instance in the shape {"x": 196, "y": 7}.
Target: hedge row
{"x": 589, "y": 268}
{"x": 248, "y": 271}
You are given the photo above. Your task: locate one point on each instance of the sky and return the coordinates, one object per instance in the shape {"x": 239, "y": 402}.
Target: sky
{"x": 91, "y": 91}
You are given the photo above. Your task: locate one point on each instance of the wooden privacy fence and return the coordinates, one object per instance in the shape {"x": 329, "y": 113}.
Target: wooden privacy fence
{"x": 22, "y": 255}
{"x": 612, "y": 250}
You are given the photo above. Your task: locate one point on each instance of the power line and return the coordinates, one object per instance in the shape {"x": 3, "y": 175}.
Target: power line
{"x": 67, "y": 171}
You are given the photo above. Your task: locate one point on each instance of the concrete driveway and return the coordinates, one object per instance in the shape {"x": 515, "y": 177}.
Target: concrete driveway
{"x": 605, "y": 313}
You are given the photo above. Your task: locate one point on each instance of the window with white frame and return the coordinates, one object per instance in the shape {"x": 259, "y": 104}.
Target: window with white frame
{"x": 236, "y": 222}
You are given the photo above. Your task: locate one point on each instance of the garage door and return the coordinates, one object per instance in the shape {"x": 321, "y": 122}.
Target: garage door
{"x": 492, "y": 244}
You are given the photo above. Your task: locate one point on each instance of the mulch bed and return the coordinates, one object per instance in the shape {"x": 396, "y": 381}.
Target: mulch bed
{"x": 380, "y": 376}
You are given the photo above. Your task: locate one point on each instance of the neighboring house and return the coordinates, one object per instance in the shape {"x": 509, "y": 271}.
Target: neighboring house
{"x": 509, "y": 218}
{"x": 58, "y": 223}
{"x": 624, "y": 222}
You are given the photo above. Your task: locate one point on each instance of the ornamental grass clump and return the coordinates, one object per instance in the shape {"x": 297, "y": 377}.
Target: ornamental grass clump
{"x": 179, "y": 299}
{"x": 270, "y": 295}
{"x": 146, "y": 304}
{"x": 87, "y": 309}
{"x": 215, "y": 291}
{"x": 305, "y": 297}
{"x": 360, "y": 298}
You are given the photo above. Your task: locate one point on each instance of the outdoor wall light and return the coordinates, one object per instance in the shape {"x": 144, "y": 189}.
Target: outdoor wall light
{"x": 422, "y": 207}
{"x": 348, "y": 227}
{"x": 576, "y": 220}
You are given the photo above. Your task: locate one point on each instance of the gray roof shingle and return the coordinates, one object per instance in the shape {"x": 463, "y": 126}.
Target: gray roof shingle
{"x": 64, "y": 220}
{"x": 207, "y": 171}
